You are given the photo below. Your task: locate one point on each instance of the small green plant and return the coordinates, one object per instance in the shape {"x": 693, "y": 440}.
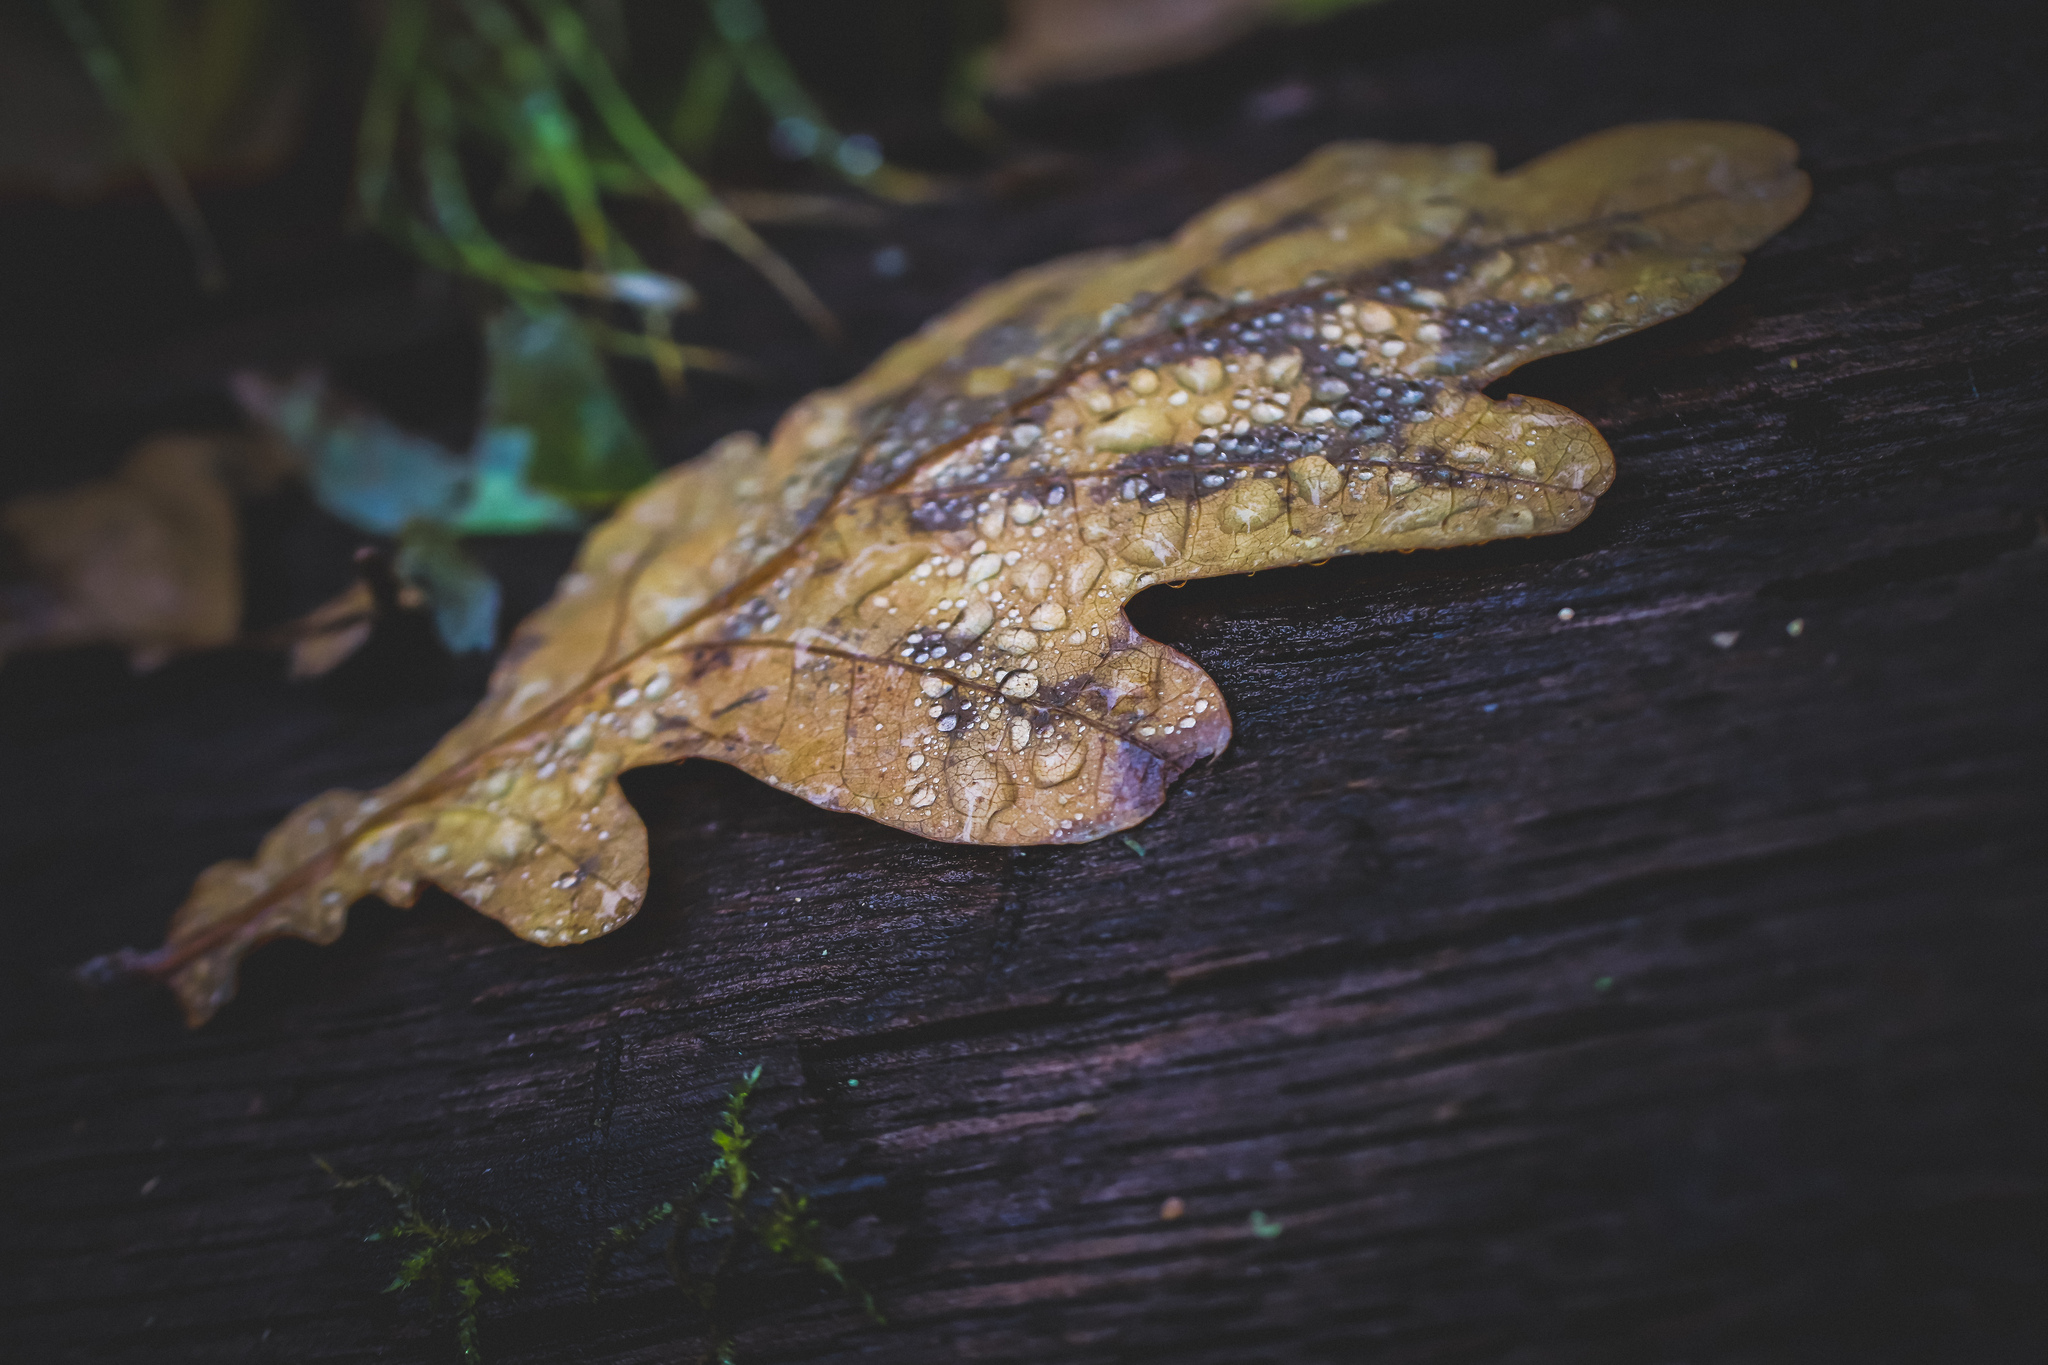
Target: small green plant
{"x": 729, "y": 1213}
{"x": 458, "y": 1266}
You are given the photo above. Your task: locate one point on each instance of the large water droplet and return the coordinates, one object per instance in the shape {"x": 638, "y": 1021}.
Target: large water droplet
{"x": 1255, "y": 504}
{"x": 974, "y": 621}
{"x": 1058, "y": 759}
{"x": 1316, "y": 481}
{"x": 1202, "y": 374}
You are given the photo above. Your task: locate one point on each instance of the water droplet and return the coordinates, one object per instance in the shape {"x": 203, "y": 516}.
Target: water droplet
{"x": 1020, "y": 685}
{"x": 890, "y": 262}
{"x": 974, "y": 621}
{"x": 1136, "y": 429}
{"x": 1316, "y": 481}
{"x": 1151, "y": 551}
{"x": 1058, "y": 759}
{"x": 859, "y": 156}
{"x": 510, "y": 840}
{"x": 1082, "y": 573}
{"x": 947, "y": 723}
{"x": 984, "y": 567}
{"x": 1202, "y": 374}
{"x": 1254, "y": 504}
{"x": 794, "y": 138}
{"x": 591, "y": 777}
{"x": 935, "y": 686}
{"x": 1048, "y": 616}
{"x": 1020, "y": 734}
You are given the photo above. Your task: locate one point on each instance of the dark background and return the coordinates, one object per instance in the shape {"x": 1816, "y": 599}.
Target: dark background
{"x": 1573, "y": 992}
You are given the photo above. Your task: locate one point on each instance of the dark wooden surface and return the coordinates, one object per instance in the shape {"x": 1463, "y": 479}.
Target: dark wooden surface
{"x": 1569, "y": 991}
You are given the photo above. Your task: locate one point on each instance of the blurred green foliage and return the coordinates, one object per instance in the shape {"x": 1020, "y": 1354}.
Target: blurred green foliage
{"x": 585, "y": 105}
{"x": 542, "y": 97}
{"x": 554, "y": 439}
{"x": 547, "y": 386}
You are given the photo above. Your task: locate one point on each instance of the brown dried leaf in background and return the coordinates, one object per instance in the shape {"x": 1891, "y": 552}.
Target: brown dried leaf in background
{"x": 324, "y": 638}
{"x": 1052, "y": 42}
{"x": 146, "y": 560}
{"x": 329, "y": 635}
{"x": 908, "y": 604}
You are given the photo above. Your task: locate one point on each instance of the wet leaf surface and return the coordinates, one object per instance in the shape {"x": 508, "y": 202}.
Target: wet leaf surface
{"x": 908, "y": 603}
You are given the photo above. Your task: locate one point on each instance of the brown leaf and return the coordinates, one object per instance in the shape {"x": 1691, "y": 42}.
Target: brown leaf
{"x": 329, "y": 635}
{"x": 1048, "y": 42}
{"x": 908, "y": 604}
{"x": 145, "y": 560}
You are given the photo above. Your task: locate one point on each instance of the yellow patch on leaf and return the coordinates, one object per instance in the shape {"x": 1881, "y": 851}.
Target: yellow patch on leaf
{"x": 908, "y": 603}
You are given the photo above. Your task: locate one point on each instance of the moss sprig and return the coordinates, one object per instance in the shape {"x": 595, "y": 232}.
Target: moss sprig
{"x": 731, "y": 1217}
{"x": 459, "y": 1267}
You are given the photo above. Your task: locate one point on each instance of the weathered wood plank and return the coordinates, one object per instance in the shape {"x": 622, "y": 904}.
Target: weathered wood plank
{"x": 1568, "y": 990}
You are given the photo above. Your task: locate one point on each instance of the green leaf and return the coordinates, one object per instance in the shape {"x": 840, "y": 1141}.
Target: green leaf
{"x": 463, "y": 595}
{"x": 502, "y": 499}
{"x": 547, "y": 380}
{"x": 364, "y": 469}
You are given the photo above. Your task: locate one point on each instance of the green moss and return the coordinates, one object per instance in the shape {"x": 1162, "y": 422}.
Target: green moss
{"x": 730, "y": 1221}
{"x": 459, "y": 1267}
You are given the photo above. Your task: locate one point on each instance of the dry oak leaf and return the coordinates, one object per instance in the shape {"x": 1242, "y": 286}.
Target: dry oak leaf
{"x": 909, "y": 602}
{"x": 147, "y": 560}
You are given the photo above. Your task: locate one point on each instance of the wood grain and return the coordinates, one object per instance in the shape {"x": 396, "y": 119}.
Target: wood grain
{"x": 1568, "y": 990}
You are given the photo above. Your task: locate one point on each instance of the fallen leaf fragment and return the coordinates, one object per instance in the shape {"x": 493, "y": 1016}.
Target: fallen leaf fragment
{"x": 908, "y": 603}
{"x": 1048, "y": 42}
{"x": 146, "y": 560}
{"x": 327, "y": 636}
